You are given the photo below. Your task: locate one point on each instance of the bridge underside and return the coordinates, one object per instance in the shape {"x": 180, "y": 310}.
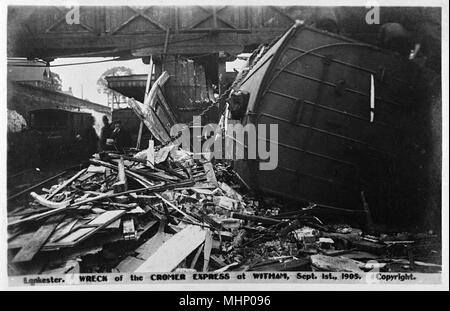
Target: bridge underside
{"x": 129, "y": 32}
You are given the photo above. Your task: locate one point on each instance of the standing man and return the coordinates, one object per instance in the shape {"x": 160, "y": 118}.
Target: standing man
{"x": 89, "y": 139}
{"x": 121, "y": 137}
{"x": 105, "y": 133}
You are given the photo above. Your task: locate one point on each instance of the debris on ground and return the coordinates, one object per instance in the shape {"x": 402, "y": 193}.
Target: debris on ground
{"x": 161, "y": 210}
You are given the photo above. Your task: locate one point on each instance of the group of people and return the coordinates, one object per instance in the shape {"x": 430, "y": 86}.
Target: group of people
{"x": 113, "y": 137}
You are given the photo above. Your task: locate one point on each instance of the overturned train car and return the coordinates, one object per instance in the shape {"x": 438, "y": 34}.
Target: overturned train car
{"x": 342, "y": 110}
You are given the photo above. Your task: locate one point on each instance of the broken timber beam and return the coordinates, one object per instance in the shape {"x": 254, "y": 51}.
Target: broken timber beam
{"x": 121, "y": 184}
{"x": 47, "y": 203}
{"x": 174, "y": 251}
{"x": 66, "y": 183}
{"x": 29, "y": 250}
{"x": 210, "y": 175}
{"x": 261, "y": 219}
{"x": 207, "y": 250}
{"x": 335, "y": 264}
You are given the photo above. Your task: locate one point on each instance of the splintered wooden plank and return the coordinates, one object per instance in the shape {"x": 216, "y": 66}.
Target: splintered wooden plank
{"x": 77, "y": 234}
{"x": 335, "y": 264}
{"x": 82, "y": 233}
{"x": 121, "y": 184}
{"x": 114, "y": 225}
{"x": 86, "y": 176}
{"x": 151, "y": 152}
{"x": 129, "y": 264}
{"x": 20, "y": 240}
{"x": 210, "y": 175}
{"x": 155, "y": 112}
{"x": 207, "y": 250}
{"x": 65, "y": 184}
{"x": 151, "y": 246}
{"x": 106, "y": 218}
{"x": 174, "y": 251}
{"x": 29, "y": 250}
{"x": 63, "y": 229}
{"x": 203, "y": 191}
{"x": 96, "y": 169}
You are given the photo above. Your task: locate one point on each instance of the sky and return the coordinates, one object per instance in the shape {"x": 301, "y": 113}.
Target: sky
{"x": 83, "y": 78}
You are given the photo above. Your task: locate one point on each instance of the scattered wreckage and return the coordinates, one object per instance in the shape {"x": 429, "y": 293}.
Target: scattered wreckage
{"x": 161, "y": 210}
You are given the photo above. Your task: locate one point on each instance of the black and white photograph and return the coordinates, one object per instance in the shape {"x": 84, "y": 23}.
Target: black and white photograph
{"x": 224, "y": 143}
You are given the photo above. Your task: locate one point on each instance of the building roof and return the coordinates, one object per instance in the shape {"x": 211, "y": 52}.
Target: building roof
{"x": 132, "y": 86}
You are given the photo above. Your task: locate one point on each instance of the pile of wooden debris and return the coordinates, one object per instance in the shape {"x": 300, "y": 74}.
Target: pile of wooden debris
{"x": 162, "y": 211}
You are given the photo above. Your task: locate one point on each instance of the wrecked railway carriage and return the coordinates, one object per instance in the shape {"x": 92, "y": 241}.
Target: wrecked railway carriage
{"x": 344, "y": 111}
